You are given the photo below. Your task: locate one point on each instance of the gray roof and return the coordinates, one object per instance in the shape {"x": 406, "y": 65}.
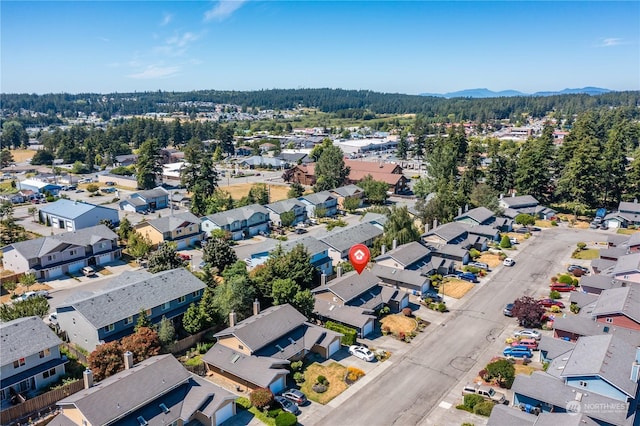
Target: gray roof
{"x": 578, "y": 324}
{"x": 241, "y": 213}
{"x": 269, "y": 325}
{"x": 618, "y": 239}
{"x": 479, "y": 214}
{"x": 602, "y": 264}
{"x": 607, "y": 356}
{"x": 351, "y": 315}
{"x": 156, "y": 192}
{"x": 502, "y": 415}
{"x": 406, "y": 254}
{"x": 282, "y": 206}
{"x": 342, "y": 239}
{"x": 292, "y": 157}
{"x": 564, "y": 419}
{"x": 449, "y": 250}
{"x": 311, "y": 244}
{"x": 258, "y": 370}
{"x": 347, "y": 190}
{"x": 625, "y": 206}
{"x": 634, "y": 239}
{"x": 318, "y": 197}
{"x": 114, "y": 304}
{"x": 23, "y": 337}
{"x": 597, "y": 281}
{"x": 412, "y": 278}
{"x": 613, "y": 252}
{"x": 173, "y": 222}
{"x": 448, "y": 232}
{"x": 582, "y": 299}
{"x": 350, "y": 285}
{"x": 73, "y": 209}
{"x": 522, "y": 200}
{"x": 135, "y": 201}
{"x": 628, "y": 263}
{"x": 623, "y": 300}
{"x": 378, "y": 218}
{"x": 555, "y": 347}
{"x": 83, "y": 237}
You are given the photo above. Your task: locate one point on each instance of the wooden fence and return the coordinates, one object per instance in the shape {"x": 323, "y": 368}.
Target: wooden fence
{"x": 38, "y": 406}
{"x": 82, "y": 358}
{"x": 187, "y": 342}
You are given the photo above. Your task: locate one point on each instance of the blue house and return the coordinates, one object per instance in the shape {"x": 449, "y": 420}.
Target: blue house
{"x": 152, "y": 199}
{"x": 320, "y": 201}
{"x": 112, "y": 313}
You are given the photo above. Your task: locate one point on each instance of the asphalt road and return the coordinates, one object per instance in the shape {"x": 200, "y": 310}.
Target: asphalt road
{"x": 412, "y": 387}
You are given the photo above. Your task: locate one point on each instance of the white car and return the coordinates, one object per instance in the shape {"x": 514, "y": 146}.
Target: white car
{"x": 361, "y": 352}
{"x": 528, "y": 333}
{"x": 509, "y": 262}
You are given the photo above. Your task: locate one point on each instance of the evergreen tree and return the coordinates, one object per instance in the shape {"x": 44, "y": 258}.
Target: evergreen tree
{"x": 149, "y": 165}
{"x": 330, "y": 169}
{"x": 165, "y": 258}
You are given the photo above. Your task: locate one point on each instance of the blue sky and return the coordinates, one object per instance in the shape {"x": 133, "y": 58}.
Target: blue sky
{"x": 388, "y": 46}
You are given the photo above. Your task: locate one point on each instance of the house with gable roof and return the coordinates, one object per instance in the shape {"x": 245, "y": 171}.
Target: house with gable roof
{"x": 240, "y": 223}
{"x": 627, "y": 268}
{"x": 525, "y": 204}
{"x": 276, "y": 209}
{"x": 322, "y": 201}
{"x": 628, "y": 214}
{"x": 348, "y": 192}
{"x": 30, "y": 358}
{"x": 618, "y": 307}
{"x": 256, "y": 351}
{"x": 318, "y": 252}
{"x": 484, "y": 216}
{"x": 415, "y": 256}
{"x": 52, "y": 256}
{"x": 112, "y": 312}
{"x": 340, "y": 240}
{"x": 156, "y": 391}
{"x": 74, "y": 215}
{"x": 462, "y": 234}
{"x": 183, "y": 229}
{"x": 149, "y": 200}
{"x": 413, "y": 282}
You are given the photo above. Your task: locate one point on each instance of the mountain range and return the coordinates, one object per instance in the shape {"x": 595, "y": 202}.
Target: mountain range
{"x": 486, "y": 93}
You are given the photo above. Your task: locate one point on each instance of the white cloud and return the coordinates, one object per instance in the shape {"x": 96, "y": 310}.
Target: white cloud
{"x": 223, "y": 9}
{"x": 166, "y": 19}
{"x": 183, "y": 40}
{"x": 155, "y": 71}
{"x": 608, "y": 42}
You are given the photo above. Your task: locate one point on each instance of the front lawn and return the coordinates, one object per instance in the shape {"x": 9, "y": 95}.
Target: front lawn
{"x": 490, "y": 259}
{"x": 587, "y": 254}
{"x": 626, "y": 231}
{"x": 455, "y": 288}
{"x": 399, "y": 324}
{"x": 335, "y": 374}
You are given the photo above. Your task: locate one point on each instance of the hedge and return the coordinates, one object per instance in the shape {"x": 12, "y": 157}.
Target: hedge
{"x": 349, "y": 334}
{"x": 286, "y": 419}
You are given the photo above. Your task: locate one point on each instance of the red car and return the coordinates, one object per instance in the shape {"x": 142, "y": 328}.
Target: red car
{"x": 563, "y": 288}
{"x": 184, "y": 256}
{"x": 547, "y": 303}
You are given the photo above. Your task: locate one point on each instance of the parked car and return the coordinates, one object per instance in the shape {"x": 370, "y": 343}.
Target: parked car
{"x": 287, "y": 405}
{"x": 53, "y": 318}
{"x": 295, "y": 396}
{"x": 467, "y": 276}
{"x": 109, "y": 183}
{"x": 362, "y": 352}
{"x": 508, "y": 310}
{"x": 508, "y": 262}
{"x": 547, "y": 303}
{"x": 572, "y": 268}
{"x": 301, "y": 231}
{"x": 517, "y": 352}
{"x": 528, "y": 333}
{"x": 513, "y": 240}
{"x": 184, "y": 256}
{"x": 562, "y": 288}
{"x": 604, "y": 226}
{"x": 485, "y": 391}
{"x": 523, "y": 230}
{"x": 480, "y": 265}
{"x": 433, "y": 296}
{"x": 88, "y": 271}
{"x": 528, "y": 343}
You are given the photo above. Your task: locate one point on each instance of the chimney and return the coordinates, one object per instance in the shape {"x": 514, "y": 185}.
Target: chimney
{"x": 87, "y": 376}
{"x": 256, "y": 307}
{"x": 128, "y": 360}
{"x": 460, "y": 211}
{"x": 394, "y": 244}
{"x": 426, "y": 228}
{"x": 466, "y": 208}
{"x": 383, "y": 249}
{"x": 339, "y": 271}
{"x": 435, "y": 223}
{"x": 232, "y": 318}
{"x": 323, "y": 279}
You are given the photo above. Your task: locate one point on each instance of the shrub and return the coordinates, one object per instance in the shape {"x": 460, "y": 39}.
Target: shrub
{"x": 286, "y": 419}
{"x": 565, "y": 279}
{"x": 296, "y": 365}
{"x": 574, "y": 308}
{"x": 385, "y": 330}
{"x": 554, "y": 223}
{"x": 554, "y": 294}
{"x": 472, "y": 269}
{"x": 554, "y": 279}
{"x": 322, "y": 380}
{"x": 484, "y": 408}
{"x": 274, "y": 413}
{"x": 261, "y": 397}
{"x": 505, "y": 242}
{"x": 472, "y": 400}
{"x": 298, "y": 377}
{"x": 575, "y": 282}
{"x": 353, "y": 374}
{"x": 349, "y": 334}
{"x": 555, "y": 309}
{"x": 385, "y": 310}
{"x": 442, "y": 307}
{"x": 474, "y": 253}
{"x": 503, "y": 371}
{"x": 464, "y": 407}
{"x": 243, "y": 402}
{"x": 407, "y": 312}
{"x": 581, "y": 246}
{"x": 401, "y": 335}
{"x": 483, "y": 374}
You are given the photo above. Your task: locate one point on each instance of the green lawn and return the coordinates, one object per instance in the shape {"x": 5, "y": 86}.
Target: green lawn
{"x": 625, "y": 231}
{"x": 588, "y": 254}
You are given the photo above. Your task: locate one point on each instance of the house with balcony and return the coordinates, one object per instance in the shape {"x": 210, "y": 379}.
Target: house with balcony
{"x": 182, "y": 229}
{"x": 289, "y": 206}
{"x": 340, "y": 240}
{"x": 256, "y": 351}
{"x": 74, "y": 215}
{"x": 30, "y": 359}
{"x": 145, "y": 201}
{"x": 243, "y": 222}
{"x": 53, "y": 256}
{"x": 112, "y": 312}
{"x": 156, "y": 391}
{"x": 320, "y": 204}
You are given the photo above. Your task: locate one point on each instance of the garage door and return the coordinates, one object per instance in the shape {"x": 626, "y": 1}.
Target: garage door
{"x": 334, "y": 347}
{"x": 425, "y": 288}
{"x": 277, "y": 386}
{"x": 368, "y": 328}
{"x": 55, "y": 272}
{"x": 76, "y": 266}
{"x": 613, "y": 223}
{"x": 182, "y": 245}
{"x": 102, "y": 259}
{"x": 404, "y": 303}
{"x": 224, "y": 413}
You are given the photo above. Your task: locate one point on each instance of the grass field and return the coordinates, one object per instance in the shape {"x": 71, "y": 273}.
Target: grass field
{"x": 237, "y": 191}
{"x": 399, "y": 323}
{"x": 455, "y": 288}
{"x": 20, "y": 155}
{"x": 625, "y": 231}
{"x": 588, "y": 254}
{"x": 334, "y": 372}
{"x": 490, "y": 259}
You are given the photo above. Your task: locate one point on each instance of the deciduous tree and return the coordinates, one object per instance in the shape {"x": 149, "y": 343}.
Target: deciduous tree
{"x": 106, "y": 360}
{"x": 528, "y": 311}
{"x": 144, "y": 343}
{"x": 330, "y": 169}
{"x": 217, "y": 253}
{"x": 165, "y": 258}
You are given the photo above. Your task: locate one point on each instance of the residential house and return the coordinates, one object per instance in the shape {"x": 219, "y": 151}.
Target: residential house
{"x": 525, "y": 204}
{"x": 75, "y": 215}
{"x": 619, "y": 307}
{"x": 462, "y": 234}
{"x": 318, "y": 252}
{"x": 183, "y": 229}
{"x": 112, "y": 312}
{"x": 628, "y": 214}
{"x": 320, "y": 204}
{"x": 170, "y": 155}
{"x": 240, "y": 223}
{"x": 615, "y": 240}
{"x": 348, "y": 192}
{"x": 634, "y": 243}
{"x": 503, "y": 415}
{"x": 574, "y": 327}
{"x": 484, "y": 216}
{"x": 415, "y": 256}
{"x": 15, "y": 197}
{"x": 126, "y": 160}
{"x": 304, "y": 174}
{"x": 52, "y": 256}
{"x": 258, "y": 161}
{"x": 156, "y": 391}
{"x": 29, "y": 358}
{"x": 256, "y": 351}
{"x": 149, "y": 200}
{"x": 411, "y": 281}
{"x": 38, "y": 186}
{"x": 298, "y": 208}
{"x": 340, "y": 240}
{"x": 550, "y": 347}
{"x": 596, "y": 283}
{"x": 352, "y": 299}
{"x": 627, "y": 268}
{"x": 291, "y": 159}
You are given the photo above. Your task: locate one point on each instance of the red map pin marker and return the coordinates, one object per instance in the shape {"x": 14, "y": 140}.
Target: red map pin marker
{"x": 359, "y": 257}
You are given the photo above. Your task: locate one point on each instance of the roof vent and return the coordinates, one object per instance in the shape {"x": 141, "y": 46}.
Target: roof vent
{"x": 293, "y": 342}
{"x": 280, "y": 348}
{"x": 578, "y": 396}
{"x": 164, "y": 408}
{"x": 142, "y": 421}
{"x": 235, "y": 359}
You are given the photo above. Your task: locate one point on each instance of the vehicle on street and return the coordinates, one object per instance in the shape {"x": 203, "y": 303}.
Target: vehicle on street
{"x": 88, "y": 271}
{"x": 528, "y": 333}
{"x": 572, "y": 268}
{"x": 287, "y": 405}
{"x": 508, "y": 310}
{"x": 362, "y": 352}
{"x": 295, "y": 396}
{"x": 301, "y": 231}
{"x": 528, "y": 343}
{"x": 547, "y": 303}
{"x": 509, "y": 262}
{"x": 517, "y": 352}
{"x": 562, "y": 288}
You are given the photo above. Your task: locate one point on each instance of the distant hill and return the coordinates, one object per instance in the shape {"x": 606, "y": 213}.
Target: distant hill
{"x": 486, "y": 93}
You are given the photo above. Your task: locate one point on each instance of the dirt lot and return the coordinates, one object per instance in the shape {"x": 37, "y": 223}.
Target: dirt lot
{"x": 399, "y": 323}
{"x": 456, "y": 288}
{"x": 490, "y": 259}
{"x": 237, "y": 191}
{"x": 20, "y": 155}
